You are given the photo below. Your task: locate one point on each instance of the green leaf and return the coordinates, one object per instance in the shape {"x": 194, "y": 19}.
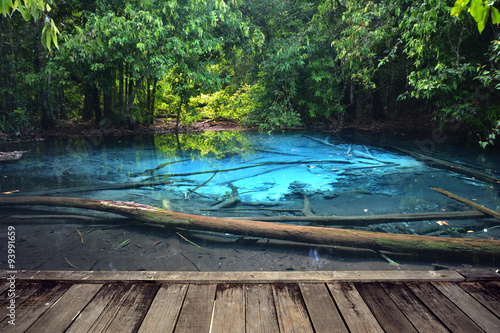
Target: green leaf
{"x": 459, "y": 6}
{"x": 477, "y": 10}
{"x": 495, "y": 15}
{"x": 482, "y": 24}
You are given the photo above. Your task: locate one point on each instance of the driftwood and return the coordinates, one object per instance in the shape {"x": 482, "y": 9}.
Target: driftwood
{"x": 480, "y": 208}
{"x": 419, "y": 245}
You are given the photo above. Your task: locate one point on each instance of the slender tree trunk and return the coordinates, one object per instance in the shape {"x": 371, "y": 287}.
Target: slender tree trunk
{"x": 121, "y": 92}
{"x": 376, "y": 102}
{"x": 153, "y": 99}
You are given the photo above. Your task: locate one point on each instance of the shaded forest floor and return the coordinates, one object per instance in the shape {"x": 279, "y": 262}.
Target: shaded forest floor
{"x": 77, "y": 127}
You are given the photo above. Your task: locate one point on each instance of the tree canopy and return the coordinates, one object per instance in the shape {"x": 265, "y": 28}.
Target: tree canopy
{"x": 270, "y": 63}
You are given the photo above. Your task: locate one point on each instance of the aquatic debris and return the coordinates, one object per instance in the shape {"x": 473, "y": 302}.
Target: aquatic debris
{"x": 166, "y": 204}
{"x": 70, "y": 264}
{"x": 442, "y": 223}
{"x": 122, "y": 244}
{"x": 187, "y": 240}
{"x": 10, "y": 192}
{"x": 389, "y": 260}
{"x": 80, "y": 234}
{"x": 190, "y": 261}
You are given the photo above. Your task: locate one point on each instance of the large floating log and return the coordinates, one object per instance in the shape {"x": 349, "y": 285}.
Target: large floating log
{"x": 422, "y": 245}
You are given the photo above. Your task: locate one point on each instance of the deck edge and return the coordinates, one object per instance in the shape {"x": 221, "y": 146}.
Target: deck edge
{"x": 235, "y": 277}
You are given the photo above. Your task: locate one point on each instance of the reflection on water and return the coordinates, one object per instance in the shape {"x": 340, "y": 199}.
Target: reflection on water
{"x": 269, "y": 175}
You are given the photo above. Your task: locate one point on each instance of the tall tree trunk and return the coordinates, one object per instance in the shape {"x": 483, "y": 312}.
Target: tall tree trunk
{"x": 44, "y": 109}
{"x": 153, "y": 98}
{"x": 121, "y": 89}
{"x": 46, "y": 116}
{"x": 376, "y": 102}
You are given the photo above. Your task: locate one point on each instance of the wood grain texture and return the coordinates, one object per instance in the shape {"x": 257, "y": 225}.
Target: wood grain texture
{"x": 384, "y": 309}
{"x": 447, "y": 312}
{"x": 60, "y": 316}
{"x": 260, "y": 309}
{"x": 416, "y": 312}
{"x": 164, "y": 311}
{"x": 290, "y": 309}
{"x": 229, "y": 311}
{"x": 470, "y": 306}
{"x": 196, "y": 313}
{"x": 353, "y": 309}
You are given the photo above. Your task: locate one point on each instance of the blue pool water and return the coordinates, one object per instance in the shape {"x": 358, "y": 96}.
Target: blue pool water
{"x": 341, "y": 175}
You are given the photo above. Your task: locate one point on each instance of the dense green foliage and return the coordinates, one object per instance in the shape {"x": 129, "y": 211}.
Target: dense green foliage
{"x": 265, "y": 62}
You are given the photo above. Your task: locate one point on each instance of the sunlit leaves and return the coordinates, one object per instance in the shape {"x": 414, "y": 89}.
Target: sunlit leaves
{"x": 34, "y": 9}
{"x": 480, "y": 11}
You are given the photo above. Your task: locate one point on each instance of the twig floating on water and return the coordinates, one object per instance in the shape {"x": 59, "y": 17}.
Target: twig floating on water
{"x": 70, "y": 264}
{"x": 79, "y": 233}
{"x": 190, "y": 261}
{"x": 187, "y": 240}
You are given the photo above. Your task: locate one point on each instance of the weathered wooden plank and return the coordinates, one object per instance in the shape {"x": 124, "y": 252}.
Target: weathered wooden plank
{"x": 443, "y": 308}
{"x": 238, "y": 277}
{"x": 23, "y": 291}
{"x": 61, "y": 314}
{"x": 322, "y": 310}
{"x": 196, "y": 312}
{"x": 31, "y": 309}
{"x": 260, "y": 309}
{"x": 470, "y": 306}
{"x": 483, "y": 295}
{"x": 417, "y": 313}
{"x": 165, "y": 309}
{"x": 472, "y": 274}
{"x": 383, "y": 308}
{"x": 132, "y": 311}
{"x": 4, "y": 286}
{"x": 353, "y": 309}
{"x": 101, "y": 310}
{"x": 290, "y": 309}
{"x": 493, "y": 286}
{"x": 229, "y": 311}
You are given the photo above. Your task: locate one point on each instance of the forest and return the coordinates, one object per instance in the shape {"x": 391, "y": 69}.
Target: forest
{"x": 266, "y": 63}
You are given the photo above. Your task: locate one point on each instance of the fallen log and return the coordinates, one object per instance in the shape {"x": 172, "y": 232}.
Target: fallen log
{"x": 480, "y": 208}
{"x": 364, "y": 220}
{"x": 473, "y": 249}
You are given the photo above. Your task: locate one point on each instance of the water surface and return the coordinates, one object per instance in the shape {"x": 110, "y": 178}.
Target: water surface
{"x": 340, "y": 174}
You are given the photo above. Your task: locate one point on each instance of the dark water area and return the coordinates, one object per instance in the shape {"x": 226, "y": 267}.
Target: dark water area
{"x": 341, "y": 174}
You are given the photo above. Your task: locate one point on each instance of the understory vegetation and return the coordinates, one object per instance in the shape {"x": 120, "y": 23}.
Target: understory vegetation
{"x": 266, "y": 63}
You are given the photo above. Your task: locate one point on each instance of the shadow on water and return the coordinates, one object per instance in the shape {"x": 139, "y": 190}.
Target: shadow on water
{"x": 342, "y": 174}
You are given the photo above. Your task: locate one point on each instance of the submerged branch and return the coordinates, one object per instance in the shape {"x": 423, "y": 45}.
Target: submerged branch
{"x": 101, "y": 187}
{"x": 480, "y": 208}
{"x": 450, "y": 166}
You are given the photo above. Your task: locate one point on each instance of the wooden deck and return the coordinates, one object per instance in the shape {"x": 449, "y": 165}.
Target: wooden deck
{"x": 379, "y": 301}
